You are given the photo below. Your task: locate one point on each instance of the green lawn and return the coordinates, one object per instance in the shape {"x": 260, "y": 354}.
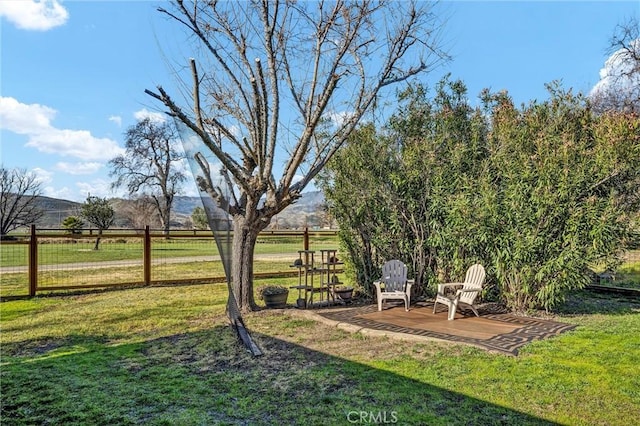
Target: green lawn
{"x": 16, "y": 284}
{"x": 165, "y": 355}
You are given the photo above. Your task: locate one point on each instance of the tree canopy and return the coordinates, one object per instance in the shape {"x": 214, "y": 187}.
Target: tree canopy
{"x": 619, "y": 87}
{"x": 99, "y": 212}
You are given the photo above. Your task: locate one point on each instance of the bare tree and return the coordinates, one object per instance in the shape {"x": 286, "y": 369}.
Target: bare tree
{"x": 288, "y": 77}
{"x": 149, "y": 165}
{"x": 619, "y": 89}
{"x": 141, "y": 211}
{"x": 18, "y": 202}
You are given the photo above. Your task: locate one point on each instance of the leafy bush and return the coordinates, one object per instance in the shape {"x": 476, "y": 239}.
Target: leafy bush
{"x": 535, "y": 193}
{"x": 73, "y": 224}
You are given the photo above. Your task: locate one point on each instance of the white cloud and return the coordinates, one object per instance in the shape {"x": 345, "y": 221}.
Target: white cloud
{"x": 157, "y": 117}
{"x": 79, "y": 168}
{"x": 40, "y": 15}
{"x": 97, "y": 188}
{"x": 60, "y": 193}
{"x": 24, "y": 119}
{"x": 617, "y": 72}
{"x": 116, "y": 119}
{"x": 43, "y": 176}
{"x": 191, "y": 143}
{"x": 339, "y": 118}
{"x": 34, "y": 121}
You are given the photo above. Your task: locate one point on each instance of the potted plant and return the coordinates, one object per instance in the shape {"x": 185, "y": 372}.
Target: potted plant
{"x": 274, "y": 296}
{"x": 344, "y": 293}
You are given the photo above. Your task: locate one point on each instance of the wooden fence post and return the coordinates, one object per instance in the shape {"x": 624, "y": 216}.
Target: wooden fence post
{"x": 147, "y": 256}
{"x": 33, "y": 262}
{"x": 306, "y": 239}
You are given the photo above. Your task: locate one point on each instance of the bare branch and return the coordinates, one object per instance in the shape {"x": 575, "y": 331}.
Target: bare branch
{"x": 281, "y": 84}
{"x": 18, "y": 199}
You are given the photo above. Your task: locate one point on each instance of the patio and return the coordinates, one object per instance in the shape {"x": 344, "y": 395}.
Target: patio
{"x": 493, "y": 330}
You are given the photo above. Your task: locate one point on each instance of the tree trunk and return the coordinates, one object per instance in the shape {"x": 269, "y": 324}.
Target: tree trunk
{"x": 166, "y": 213}
{"x": 97, "y": 246}
{"x": 166, "y": 221}
{"x": 244, "y": 240}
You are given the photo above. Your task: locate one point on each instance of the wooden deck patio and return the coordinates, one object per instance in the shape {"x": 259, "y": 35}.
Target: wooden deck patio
{"x": 493, "y": 331}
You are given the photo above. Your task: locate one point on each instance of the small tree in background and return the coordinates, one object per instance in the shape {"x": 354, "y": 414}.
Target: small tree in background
{"x": 199, "y": 218}
{"x": 18, "y": 192}
{"x": 99, "y": 213}
{"x": 73, "y": 224}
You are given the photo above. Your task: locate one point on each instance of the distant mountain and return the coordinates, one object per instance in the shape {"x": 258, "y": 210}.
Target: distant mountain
{"x": 55, "y": 211}
{"x": 308, "y": 203}
{"x": 305, "y": 212}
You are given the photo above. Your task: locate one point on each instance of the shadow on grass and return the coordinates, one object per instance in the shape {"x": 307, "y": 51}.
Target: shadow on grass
{"x": 589, "y": 302}
{"x": 207, "y": 378}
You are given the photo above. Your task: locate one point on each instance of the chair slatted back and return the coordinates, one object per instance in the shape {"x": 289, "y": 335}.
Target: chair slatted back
{"x": 394, "y": 275}
{"x": 473, "y": 279}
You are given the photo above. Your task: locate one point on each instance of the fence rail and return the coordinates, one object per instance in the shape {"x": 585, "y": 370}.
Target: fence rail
{"x": 52, "y": 260}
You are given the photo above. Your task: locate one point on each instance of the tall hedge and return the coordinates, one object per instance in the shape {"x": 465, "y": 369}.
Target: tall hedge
{"x": 537, "y": 193}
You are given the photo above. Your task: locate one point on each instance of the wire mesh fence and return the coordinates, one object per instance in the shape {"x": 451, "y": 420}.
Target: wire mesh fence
{"x": 64, "y": 262}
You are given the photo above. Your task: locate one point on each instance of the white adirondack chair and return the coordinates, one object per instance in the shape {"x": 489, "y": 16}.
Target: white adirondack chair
{"x": 394, "y": 284}
{"x": 466, "y": 293}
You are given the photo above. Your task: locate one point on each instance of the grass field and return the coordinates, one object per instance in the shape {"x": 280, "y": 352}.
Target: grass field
{"x": 17, "y": 284}
{"x": 165, "y": 356}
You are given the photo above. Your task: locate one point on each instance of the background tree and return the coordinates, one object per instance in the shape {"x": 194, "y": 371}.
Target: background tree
{"x": 18, "y": 202}
{"x": 98, "y": 212}
{"x": 148, "y": 166}
{"x": 199, "y": 218}
{"x": 140, "y": 211}
{"x": 73, "y": 224}
{"x": 619, "y": 88}
{"x": 294, "y": 77}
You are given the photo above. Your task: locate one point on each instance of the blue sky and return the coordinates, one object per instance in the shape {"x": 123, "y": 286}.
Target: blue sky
{"x": 73, "y": 73}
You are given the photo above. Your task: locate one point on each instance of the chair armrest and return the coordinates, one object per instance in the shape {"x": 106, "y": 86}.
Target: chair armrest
{"x": 443, "y": 287}
{"x": 409, "y": 284}
{"x": 468, "y": 290}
